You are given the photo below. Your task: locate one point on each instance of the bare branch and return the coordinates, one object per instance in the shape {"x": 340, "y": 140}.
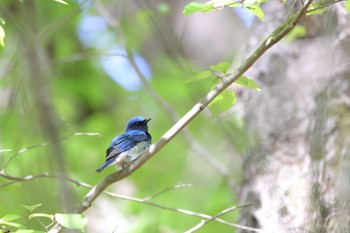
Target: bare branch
{"x": 15, "y": 179}
{"x": 202, "y": 223}
{"x": 167, "y": 190}
{"x": 188, "y": 212}
{"x": 21, "y": 151}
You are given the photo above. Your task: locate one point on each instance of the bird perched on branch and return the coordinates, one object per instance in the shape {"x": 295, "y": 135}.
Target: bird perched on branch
{"x": 127, "y": 147}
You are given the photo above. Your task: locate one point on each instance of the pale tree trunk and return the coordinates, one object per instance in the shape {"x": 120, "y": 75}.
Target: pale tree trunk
{"x": 298, "y": 171}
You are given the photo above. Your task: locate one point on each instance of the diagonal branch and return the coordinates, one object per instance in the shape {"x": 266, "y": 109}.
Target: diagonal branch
{"x": 271, "y": 40}
{"x": 48, "y": 144}
{"x": 225, "y": 211}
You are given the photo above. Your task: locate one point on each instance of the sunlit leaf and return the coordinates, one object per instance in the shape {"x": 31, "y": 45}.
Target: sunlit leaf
{"x": 31, "y": 208}
{"x": 316, "y": 8}
{"x": 200, "y": 76}
{"x": 9, "y": 218}
{"x": 197, "y": 7}
{"x": 248, "y": 83}
{"x": 219, "y": 4}
{"x": 28, "y": 231}
{"x": 208, "y": 6}
{"x": 41, "y": 215}
{"x": 2, "y": 36}
{"x": 347, "y": 6}
{"x": 257, "y": 11}
{"x": 297, "y": 32}
{"x": 221, "y": 67}
{"x": 224, "y": 101}
{"x": 72, "y": 221}
{"x": 248, "y": 3}
{"x": 12, "y": 224}
{"x": 163, "y": 8}
{"x": 61, "y": 1}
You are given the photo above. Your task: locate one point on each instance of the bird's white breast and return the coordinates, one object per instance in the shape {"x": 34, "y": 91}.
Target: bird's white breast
{"x": 127, "y": 157}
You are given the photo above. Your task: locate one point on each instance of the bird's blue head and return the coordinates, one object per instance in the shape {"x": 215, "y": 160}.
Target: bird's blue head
{"x": 138, "y": 123}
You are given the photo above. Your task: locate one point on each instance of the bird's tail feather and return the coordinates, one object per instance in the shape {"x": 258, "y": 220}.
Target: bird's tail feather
{"x": 108, "y": 162}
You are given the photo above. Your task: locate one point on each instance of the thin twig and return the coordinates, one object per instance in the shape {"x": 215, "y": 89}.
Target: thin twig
{"x": 202, "y": 223}
{"x": 21, "y": 151}
{"x": 15, "y": 179}
{"x": 167, "y": 190}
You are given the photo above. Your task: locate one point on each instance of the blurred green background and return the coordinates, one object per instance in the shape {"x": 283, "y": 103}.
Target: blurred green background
{"x": 66, "y": 69}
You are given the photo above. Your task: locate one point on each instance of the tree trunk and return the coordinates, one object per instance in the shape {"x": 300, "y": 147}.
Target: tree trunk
{"x": 298, "y": 171}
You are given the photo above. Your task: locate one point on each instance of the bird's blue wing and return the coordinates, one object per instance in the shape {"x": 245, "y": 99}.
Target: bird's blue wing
{"x": 125, "y": 142}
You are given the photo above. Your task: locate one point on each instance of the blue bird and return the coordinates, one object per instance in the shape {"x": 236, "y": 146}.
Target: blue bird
{"x": 128, "y": 146}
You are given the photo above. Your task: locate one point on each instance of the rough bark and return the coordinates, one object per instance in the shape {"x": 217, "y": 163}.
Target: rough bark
{"x": 298, "y": 170}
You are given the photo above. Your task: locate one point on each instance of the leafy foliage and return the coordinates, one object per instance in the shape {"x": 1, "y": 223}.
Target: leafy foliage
{"x": 222, "y": 102}
{"x": 61, "y": 1}
{"x": 8, "y": 220}
{"x": 226, "y": 99}
{"x": 347, "y": 6}
{"x": 316, "y": 8}
{"x": 31, "y": 208}
{"x": 194, "y": 7}
{"x": 2, "y": 33}
{"x": 298, "y": 32}
{"x": 248, "y": 83}
{"x": 220, "y": 67}
{"x": 252, "y": 6}
{"x": 72, "y": 221}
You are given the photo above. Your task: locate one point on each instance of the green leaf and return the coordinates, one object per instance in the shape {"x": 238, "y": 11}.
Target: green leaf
{"x": 163, "y": 8}
{"x": 28, "y": 231}
{"x": 347, "y": 6}
{"x": 61, "y": 1}
{"x": 257, "y": 11}
{"x": 31, "y": 208}
{"x": 12, "y": 224}
{"x": 224, "y": 101}
{"x": 72, "y": 221}
{"x": 297, "y": 32}
{"x": 197, "y": 7}
{"x": 220, "y": 4}
{"x": 9, "y": 218}
{"x": 221, "y": 67}
{"x": 200, "y": 76}
{"x": 248, "y": 83}
{"x": 41, "y": 215}
{"x": 315, "y": 9}
{"x": 2, "y": 36}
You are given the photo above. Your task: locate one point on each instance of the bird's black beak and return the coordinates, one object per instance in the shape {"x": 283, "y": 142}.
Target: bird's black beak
{"x": 147, "y": 120}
